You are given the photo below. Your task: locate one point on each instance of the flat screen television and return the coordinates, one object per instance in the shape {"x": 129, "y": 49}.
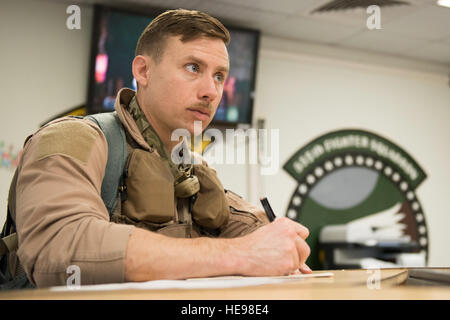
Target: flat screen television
{"x": 115, "y": 34}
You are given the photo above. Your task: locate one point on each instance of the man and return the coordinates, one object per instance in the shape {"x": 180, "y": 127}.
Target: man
{"x": 157, "y": 231}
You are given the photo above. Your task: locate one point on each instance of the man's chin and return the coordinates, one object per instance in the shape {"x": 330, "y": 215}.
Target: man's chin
{"x": 192, "y": 129}
{"x": 197, "y": 127}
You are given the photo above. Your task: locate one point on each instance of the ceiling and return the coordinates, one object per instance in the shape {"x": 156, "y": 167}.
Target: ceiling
{"x": 418, "y": 31}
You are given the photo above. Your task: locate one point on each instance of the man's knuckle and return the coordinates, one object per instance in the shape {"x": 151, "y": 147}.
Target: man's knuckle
{"x": 291, "y": 233}
{"x": 307, "y": 251}
{"x": 306, "y": 231}
{"x": 284, "y": 221}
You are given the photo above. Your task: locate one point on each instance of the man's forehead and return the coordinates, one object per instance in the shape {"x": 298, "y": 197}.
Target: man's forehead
{"x": 199, "y": 47}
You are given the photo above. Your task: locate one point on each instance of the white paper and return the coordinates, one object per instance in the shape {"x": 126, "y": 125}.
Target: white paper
{"x": 194, "y": 283}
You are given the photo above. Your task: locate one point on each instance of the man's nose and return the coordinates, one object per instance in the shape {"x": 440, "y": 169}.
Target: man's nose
{"x": 208, "y": 90}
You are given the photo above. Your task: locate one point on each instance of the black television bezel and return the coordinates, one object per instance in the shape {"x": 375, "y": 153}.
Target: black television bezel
{"x": 154, "y": 11}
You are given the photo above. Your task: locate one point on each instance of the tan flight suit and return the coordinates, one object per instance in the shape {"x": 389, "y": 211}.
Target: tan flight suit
{"x": 61, "y": 219}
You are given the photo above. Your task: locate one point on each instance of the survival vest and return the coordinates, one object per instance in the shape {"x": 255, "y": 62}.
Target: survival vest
{"x": 114, "y": 192}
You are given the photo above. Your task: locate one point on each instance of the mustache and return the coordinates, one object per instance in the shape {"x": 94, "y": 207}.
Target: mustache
{"x": 202, "y": 105}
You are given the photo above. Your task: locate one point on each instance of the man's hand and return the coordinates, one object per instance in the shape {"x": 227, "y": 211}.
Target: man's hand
{"x": 278, "y": 248}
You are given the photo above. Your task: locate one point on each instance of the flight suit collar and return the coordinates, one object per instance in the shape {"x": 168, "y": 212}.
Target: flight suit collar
{"x": 146, "y": 129}
{"x": 123, "y": 99}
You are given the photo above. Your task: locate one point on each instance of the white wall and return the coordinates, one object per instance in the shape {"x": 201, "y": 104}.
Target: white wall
{"x": 304, "y": 90}
{"x": 44, "y": 70}
{"x": 306, "y": 95}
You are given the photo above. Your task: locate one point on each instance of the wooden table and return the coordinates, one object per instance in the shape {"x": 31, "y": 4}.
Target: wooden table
{"x": 345, "y": 284}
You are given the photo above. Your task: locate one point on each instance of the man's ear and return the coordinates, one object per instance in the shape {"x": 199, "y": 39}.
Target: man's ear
{"x": 141, "y": 68}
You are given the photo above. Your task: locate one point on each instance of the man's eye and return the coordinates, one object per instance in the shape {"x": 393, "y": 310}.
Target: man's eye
{"x": 219, "y": 77}
{"x": 192, "y": 67}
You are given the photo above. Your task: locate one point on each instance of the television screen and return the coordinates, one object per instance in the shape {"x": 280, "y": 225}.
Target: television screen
{"x": 116, "y": 33}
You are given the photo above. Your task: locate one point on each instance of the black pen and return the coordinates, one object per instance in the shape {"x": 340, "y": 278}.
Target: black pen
{"x": 268, "y": 209}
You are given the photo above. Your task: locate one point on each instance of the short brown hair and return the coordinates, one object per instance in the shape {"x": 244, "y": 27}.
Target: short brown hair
{"x": 189, "y": 24}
